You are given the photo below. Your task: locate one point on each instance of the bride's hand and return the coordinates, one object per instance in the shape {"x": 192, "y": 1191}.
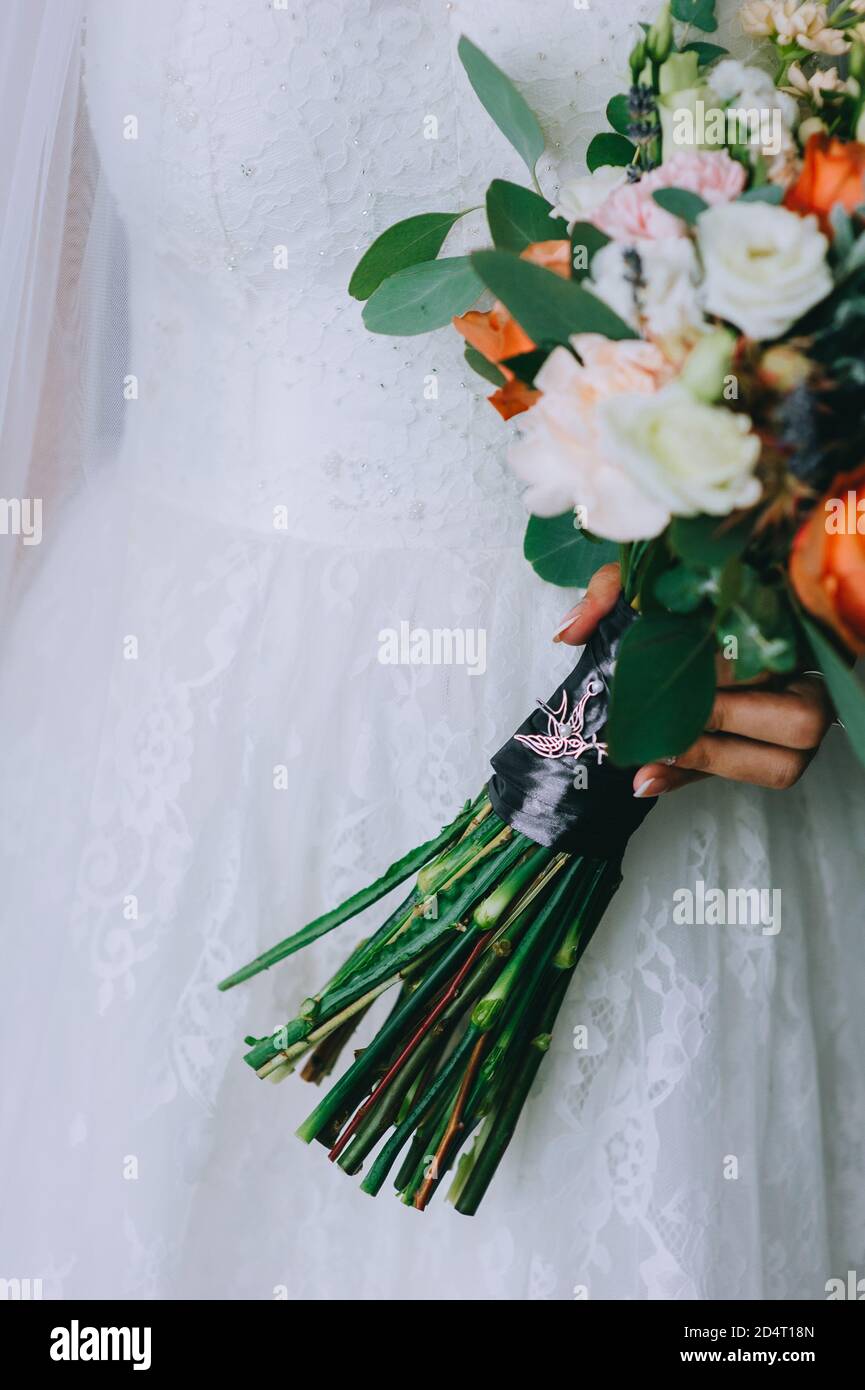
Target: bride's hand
{"x": 766, "y": 737}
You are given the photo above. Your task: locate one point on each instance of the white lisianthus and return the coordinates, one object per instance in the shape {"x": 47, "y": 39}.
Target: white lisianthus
{"x": 664, "y": 306}
{"x": 767, "y": 116}
{"x": 687, "y": 456}
{"x": 579, "y": 198}
{"x": 736, "y": 83}
{"x": 764, "y": 266}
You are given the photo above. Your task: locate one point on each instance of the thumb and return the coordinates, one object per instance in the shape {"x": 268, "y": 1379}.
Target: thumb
{"x": 599, "y": 599}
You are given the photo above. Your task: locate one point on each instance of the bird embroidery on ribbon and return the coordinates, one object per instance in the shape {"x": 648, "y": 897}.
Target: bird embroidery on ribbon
{"x": 564, "y": 736}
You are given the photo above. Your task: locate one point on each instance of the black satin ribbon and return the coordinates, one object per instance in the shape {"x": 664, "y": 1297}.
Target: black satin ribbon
{"x": 535, "y": 785}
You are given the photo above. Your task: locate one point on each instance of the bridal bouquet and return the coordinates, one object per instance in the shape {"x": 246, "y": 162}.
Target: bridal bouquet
{"x": 676, "y": 338}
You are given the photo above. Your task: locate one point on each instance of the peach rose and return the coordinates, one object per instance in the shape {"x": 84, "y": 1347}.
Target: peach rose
{"x": 833, "y": 172}
{"x": 631, "y": 213}
{"x": 827, "y": 564}
{"x": 496, "y": 335}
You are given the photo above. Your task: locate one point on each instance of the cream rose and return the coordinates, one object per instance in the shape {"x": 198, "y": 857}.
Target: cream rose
{"x": 684, "y": 455}
{"x": 764, "y": 266}
{"x": 558, "y": 454}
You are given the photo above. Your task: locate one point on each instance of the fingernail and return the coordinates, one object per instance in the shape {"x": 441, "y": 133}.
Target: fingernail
{"x": 645, "y": 788}
{"x": 566, "y": 622}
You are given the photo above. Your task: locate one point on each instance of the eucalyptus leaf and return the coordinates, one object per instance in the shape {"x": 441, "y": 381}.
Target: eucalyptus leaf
{"x": 422, "y": 297}
{"x": 765, "y": 193}
{"x": 762, "y": 625}
{"x": 729, "y": 585}
{"x": 855, "y": 258}
{"x": 561, "y": 553}
{"x": 501, "y": 100}
{"x": 518, "y": 217}
{"x": 698, "y": 12}
{"x": 545, "y": 306}
{"x": 619, "y": 113}
{"x": 406, "y": 243}
{"x": 682, "y": 590}
{"x": 526, "y": 365}
{"x": 681, "y": 203}
{"x": 609, "y": 148}
{"x": 706, "y": 52}
{"x": 707, "y": 542}
{"x": 480, "y": 364}
{"x": 663, "y": 688}
{"x": 847, "y": 693}
{"x": 586, "y": 241}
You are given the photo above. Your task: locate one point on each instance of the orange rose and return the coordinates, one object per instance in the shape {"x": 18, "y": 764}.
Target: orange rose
{"x": 497, "y": 336}
{"x": 827, "y": 564}
{"x": 833, "y": 172}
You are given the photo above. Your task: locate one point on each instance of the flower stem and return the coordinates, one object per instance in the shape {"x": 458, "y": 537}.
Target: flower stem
{"x": 396, "y": 874}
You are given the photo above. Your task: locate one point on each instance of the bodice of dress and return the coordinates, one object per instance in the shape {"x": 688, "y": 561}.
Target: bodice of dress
{"x": 254, "y": 151}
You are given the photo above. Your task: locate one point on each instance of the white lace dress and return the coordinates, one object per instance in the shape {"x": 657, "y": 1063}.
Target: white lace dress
{"x": 205, "y": 751}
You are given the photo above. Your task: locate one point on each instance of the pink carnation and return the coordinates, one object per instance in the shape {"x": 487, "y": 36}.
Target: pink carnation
{"x": 631, "y": 213}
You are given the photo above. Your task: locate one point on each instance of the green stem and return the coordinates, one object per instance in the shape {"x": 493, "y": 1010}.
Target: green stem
{"x": 488, "y": 1009}
{"x": 353, "y": 1085}
{"x": 503, "y": 1121}
{"x": 445, "y": 1079}
{"x": 396, "y": 874}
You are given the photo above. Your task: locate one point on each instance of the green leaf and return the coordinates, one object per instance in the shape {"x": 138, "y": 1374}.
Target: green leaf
{"x": 560, "y": 551}
{"x": 480, "y": 364}
{"x": 730, "y": 579}
{"x": 706, "y": 52}
{"x": 847, "y": 694}
{"x": 681, "y": 203}
{"x": 526, "y": 365}
{"x": 518, "y": 217}
{"x": 765, "y": 193}
{"x": 545, "y": 306}
{"x": 761, "y": 622}
{"x": 609, "y": 149}
{"x": 854, "y": 260}
{"x": 619, "y": 113}
{"x": 405, "y": 243}
{"x": 663, "y": 688}
{"x": 501, "y": 100}
{"x": 682, "y": 590}
{"x": 698, "y": 12}
{"x": 707, "y": 542}
{"x": 843, "y": 232}
{"x": 586, "y": 241}
{"x": 422, "y": 297}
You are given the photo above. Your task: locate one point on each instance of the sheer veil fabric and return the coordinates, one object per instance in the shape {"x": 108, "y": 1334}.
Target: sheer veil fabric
{"x": 241, "y": 489}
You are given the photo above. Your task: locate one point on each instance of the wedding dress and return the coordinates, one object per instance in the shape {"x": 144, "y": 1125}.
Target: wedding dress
{"x": 202, "y": 750}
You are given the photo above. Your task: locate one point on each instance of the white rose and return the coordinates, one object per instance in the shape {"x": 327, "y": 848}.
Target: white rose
{"x": 669, "y": 310}
{"x": 579, "y": 198}
{"x": 687, "y": 456}
{"x": 764, "y": 266}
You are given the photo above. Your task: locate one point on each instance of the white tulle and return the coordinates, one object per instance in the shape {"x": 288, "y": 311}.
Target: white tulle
{"x": 201, "y": 749}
